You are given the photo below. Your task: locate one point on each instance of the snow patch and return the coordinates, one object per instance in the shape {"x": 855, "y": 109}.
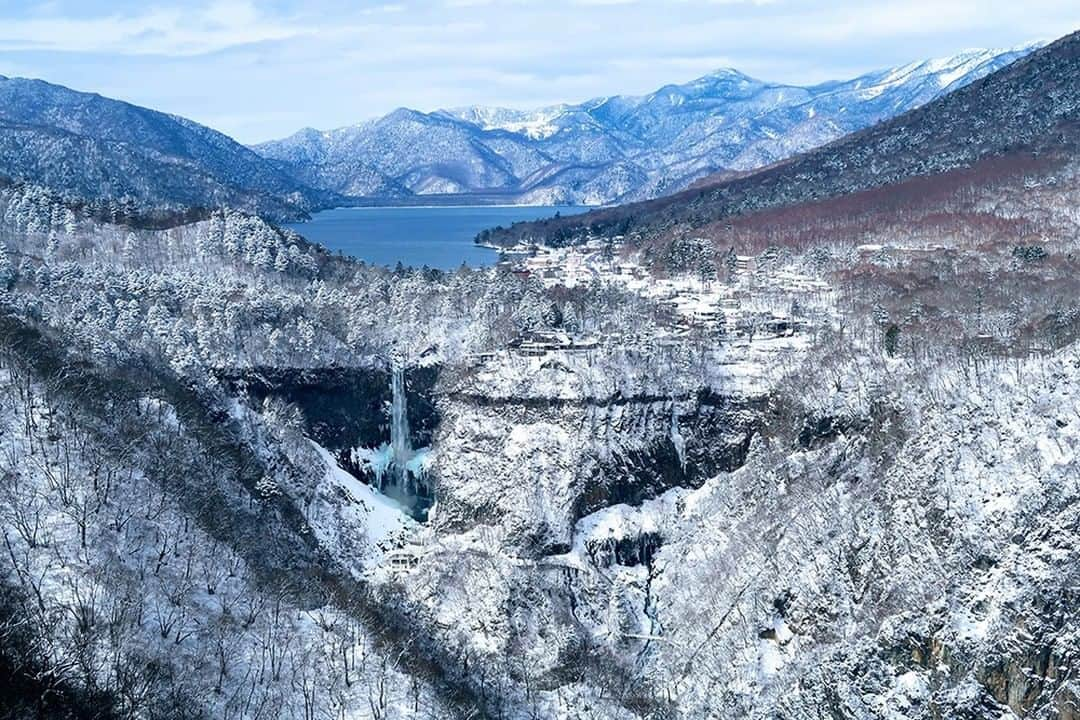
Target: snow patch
{"x": 386, "y": 524}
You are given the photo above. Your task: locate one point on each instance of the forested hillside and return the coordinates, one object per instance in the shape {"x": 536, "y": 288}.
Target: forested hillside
{"x": 93, "y": 148}
{"x": 868, "y": 465}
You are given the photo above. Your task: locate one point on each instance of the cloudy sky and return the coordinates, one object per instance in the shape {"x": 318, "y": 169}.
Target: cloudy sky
{"x": 260, "y": 70}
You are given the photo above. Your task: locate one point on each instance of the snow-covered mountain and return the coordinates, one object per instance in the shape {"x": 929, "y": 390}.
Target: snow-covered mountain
{"x": 618, "y": 148}
{"x": 95, "y": 148}
{"x": 1027, "y": 109}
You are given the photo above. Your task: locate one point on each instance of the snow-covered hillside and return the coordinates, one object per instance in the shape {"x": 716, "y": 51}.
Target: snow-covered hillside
{"x": 97, "y": 149}
{"x": 1004, "y": 124}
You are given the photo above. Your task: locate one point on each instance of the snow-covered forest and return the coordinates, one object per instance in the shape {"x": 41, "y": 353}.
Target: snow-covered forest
{"x": 873, "y": 481}
{"x": 810, "y": 460}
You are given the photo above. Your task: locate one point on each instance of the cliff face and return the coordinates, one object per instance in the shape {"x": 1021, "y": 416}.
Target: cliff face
{"x": 915, "y": 557}
{"x": 918, "y": 584}
{"x": 536, "y": 465}
{"x": 343, "y": 409}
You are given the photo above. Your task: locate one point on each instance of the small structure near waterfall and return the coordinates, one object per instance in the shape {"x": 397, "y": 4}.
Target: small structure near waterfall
{"x": 538, "y": 343}
{"x": 405, "y": 559}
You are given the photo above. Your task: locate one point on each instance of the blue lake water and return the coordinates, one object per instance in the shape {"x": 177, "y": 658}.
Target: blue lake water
{"x": 439, "y": 237}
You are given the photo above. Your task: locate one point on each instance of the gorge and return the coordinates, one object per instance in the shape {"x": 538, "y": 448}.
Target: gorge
{"x": 799, "y": 442}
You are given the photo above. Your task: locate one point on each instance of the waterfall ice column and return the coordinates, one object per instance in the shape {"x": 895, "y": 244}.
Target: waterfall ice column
{"x": 401, "y": 474}
{"x": 677, "y": 438}
{"x": 400, "y": 446}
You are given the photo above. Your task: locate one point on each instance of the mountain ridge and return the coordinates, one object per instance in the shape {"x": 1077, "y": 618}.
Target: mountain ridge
{"x": 98, "y": 148}
{"x": 985, "y": 119}
{"x": 615, "y": 148}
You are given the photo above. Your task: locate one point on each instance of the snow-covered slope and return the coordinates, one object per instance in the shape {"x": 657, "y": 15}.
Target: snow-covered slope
{"x": 616, "y": 148}
{"x": 835, "y": 482}
{"x": 355, "y": 519}
{"x": 95, "y": 148}
{"x": 818, "y": 463}
{"x": 1023, "y": 113}
{"x": 941, "y": 586}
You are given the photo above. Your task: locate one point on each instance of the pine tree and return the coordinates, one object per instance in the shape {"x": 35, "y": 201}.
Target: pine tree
{"x": 529, "y": 314}
{"x": 881, "y": 316}
{"x": 7, "y": 272}
{"x": 127, "y": 252}
{"x": 892, "y": 340}
{"x": 70, "y": 223}
{"x": 43, "y": 278}
{"x": 731, "y": 263}
{"x": 263, "y": 259}
{"x": 570, "y": 320}
{"x": 52, "y": 246}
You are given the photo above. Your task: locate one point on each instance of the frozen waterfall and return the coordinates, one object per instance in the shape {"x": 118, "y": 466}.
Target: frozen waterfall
{"x": 400, "y": 470}
{"x": 395, "y": 468}
{"x": 400, "y": 445}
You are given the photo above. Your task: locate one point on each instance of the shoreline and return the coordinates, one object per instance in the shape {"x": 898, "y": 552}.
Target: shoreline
{"x": 512, "y": 250}
{"x": 582, "y": 208}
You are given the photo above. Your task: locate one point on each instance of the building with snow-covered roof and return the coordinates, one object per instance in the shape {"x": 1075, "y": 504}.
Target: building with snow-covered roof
{"x": 404, "y": 559}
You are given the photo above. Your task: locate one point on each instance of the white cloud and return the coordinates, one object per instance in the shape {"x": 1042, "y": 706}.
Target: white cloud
{"x": 171, "y": 31}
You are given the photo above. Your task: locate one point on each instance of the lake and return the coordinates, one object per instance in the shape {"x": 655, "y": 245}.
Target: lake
{"x": 439, "y": 237}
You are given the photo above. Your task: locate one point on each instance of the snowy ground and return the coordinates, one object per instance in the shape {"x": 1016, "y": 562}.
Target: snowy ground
{"x": 369, "y": 523}
{"x": 724, "y": 330}
{"x": 124, "y": 588}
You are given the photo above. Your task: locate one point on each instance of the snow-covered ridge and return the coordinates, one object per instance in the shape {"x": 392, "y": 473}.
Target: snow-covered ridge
{"x": 99, "y": 149}
{"x": 615, "y": 148}
{"x": 535, "y": 124}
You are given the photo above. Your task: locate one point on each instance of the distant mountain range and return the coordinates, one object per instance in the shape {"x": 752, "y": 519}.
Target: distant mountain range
{"x": 1019, "y": 126}
{"x": 94, "y": 148}
{"x": 609, "y": 150}
{"x": 613, "y": 149}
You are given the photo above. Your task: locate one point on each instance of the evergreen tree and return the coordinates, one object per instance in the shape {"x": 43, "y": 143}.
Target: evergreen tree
{"x": 529, "y": 314}
{"x": 127, "y": 253}
{"x": 570, "y": 320}
{"x": 892, "y": 340}
{"x": 263, "y": 259}
{"x": 7, "y": 272}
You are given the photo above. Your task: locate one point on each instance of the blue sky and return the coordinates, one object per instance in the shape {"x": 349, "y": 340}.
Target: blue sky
{"x": 260, "y": 70}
